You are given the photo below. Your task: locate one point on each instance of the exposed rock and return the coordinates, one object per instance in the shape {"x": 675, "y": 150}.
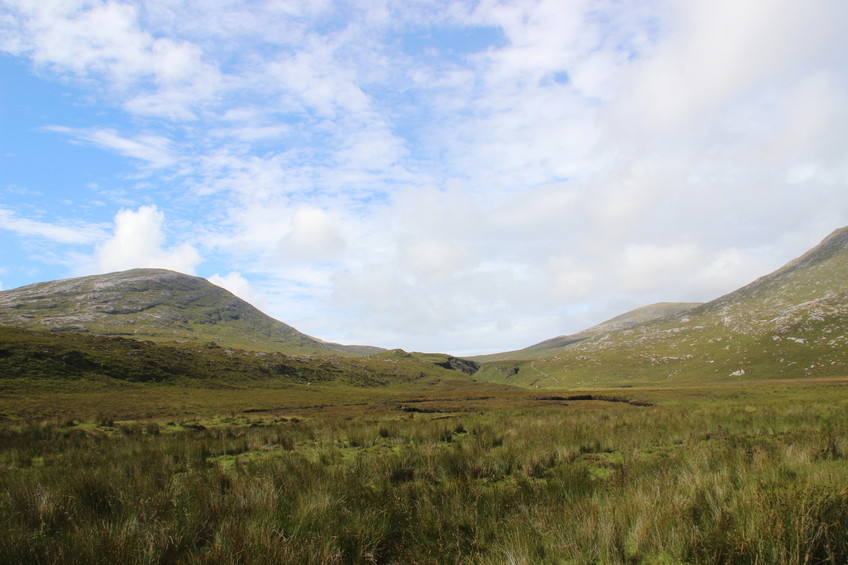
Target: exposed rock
{"x": 463, "y": 365}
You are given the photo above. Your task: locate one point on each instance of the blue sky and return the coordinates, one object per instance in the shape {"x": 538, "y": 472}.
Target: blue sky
{"x": 440, "y": 176}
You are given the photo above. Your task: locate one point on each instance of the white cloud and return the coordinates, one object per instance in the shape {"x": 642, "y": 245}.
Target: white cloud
{"x": 241, "y": 287}
{"x": 75, "y": 233}
{"x": 91, "y": 40}
{"x": 138, "y": 241}
{"x": 650, "y": 267}
{"x": 314, "y": 235}
{"x": 538, "y": 206}
{"x": 251, "y": 133}
{"x": 728, "y": 269}
{"x": 155, "y": 150}
{"x": 719, "y": 51}
{"x": 685, "y": 271}
{"x": 569, "y": 280}
{"x": 435, "y": 259}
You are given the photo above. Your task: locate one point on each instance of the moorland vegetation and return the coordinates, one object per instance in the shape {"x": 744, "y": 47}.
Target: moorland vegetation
{"x": 732, "y": 475}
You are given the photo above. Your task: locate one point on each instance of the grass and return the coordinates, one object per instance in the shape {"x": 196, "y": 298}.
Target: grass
{"x": 455, "y": 474}
{"x": 683, "y": 354}
{"x": 36, "y": 361}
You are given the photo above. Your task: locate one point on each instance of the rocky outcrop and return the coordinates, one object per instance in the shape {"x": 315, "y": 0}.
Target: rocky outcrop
{"x": 463, "y": 365}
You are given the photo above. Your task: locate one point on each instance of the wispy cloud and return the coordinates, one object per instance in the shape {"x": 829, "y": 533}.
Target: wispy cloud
{"x": 69, "y": 232}
{"x": 156, "y": 151}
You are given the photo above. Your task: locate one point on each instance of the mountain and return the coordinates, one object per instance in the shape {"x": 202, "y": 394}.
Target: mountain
{"x": 792, "y": 323}
{"x": 626, "y": 320}
{"x": 158, "y": 305}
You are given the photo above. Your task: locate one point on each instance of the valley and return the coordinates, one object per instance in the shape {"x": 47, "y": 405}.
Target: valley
{"x": 150, "y": 417}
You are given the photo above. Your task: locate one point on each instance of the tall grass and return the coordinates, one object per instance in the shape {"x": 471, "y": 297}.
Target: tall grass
{"x": 719, "y": 483}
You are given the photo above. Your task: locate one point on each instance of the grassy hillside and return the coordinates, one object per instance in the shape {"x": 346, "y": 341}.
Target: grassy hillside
{"x": 626, "y": 320}
{"x": 792, "y": 323}
{"x": 35, "y": 360}
{"x": 158, "y": 305}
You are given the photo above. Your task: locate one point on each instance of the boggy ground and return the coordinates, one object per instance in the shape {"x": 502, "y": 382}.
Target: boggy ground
{"x": 742, "y": 473}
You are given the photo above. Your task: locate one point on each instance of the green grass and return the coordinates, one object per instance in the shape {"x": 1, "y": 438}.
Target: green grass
{"x": 678, "y": 353}
{"x": 35, "y": 360}
{"x": 734, "y": 474}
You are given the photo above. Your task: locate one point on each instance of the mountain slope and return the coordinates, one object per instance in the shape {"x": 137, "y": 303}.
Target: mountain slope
{"x": 626, "y": 320}
{"x": 159, "y": 305}
{"x": 792, "y": 323}
{"x": 819, "y": 276}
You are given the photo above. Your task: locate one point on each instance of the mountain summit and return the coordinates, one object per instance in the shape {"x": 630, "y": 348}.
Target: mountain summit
{"x": 159, "y": 305}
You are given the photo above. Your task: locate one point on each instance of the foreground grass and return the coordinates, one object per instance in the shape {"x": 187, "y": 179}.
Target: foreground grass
{"x": 734, "y": 475}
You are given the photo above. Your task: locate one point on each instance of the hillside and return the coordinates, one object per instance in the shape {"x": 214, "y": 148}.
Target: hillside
{"x": 35, "y": 360}
{"x": 792, "y": 323}
{"x": 626, "y": 320}
{"x": 158, "y": 305}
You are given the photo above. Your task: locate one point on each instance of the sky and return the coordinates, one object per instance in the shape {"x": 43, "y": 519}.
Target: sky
{"x": 453, "y": 176}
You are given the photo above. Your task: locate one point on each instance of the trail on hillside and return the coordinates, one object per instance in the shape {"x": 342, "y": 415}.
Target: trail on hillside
{"x": 541, "y": 372}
